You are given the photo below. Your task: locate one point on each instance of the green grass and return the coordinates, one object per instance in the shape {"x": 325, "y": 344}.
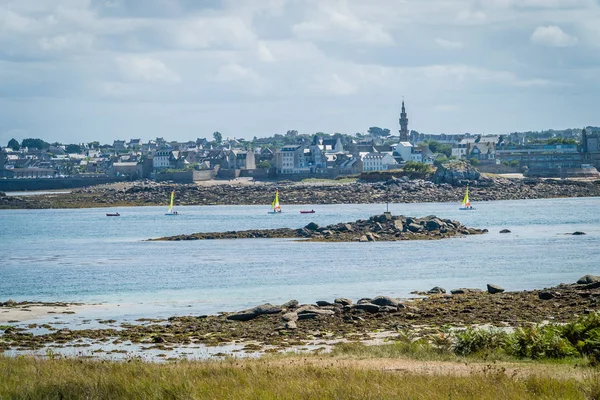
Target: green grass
{"x": 30, "y": 378}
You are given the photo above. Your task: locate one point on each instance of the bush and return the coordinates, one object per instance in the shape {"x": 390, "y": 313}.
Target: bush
{"x": 473, "y": 341}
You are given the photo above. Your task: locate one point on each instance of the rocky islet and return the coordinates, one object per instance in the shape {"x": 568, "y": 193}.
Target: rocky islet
{"x": 384, "y": 227}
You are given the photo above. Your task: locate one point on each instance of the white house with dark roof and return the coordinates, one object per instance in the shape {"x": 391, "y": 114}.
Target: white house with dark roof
{"x": 378, "y": 162}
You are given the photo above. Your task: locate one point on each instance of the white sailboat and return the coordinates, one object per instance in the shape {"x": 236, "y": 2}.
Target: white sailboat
{"x": 275, "y": 204}
{"x": 466, "y": 204}
{"x": 170, "y": 210}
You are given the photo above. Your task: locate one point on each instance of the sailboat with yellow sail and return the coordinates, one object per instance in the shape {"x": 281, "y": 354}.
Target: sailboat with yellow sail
{"x": 466, "y": 204}
{"x": 275, "y": 204}
{"x": 170, "y": 210}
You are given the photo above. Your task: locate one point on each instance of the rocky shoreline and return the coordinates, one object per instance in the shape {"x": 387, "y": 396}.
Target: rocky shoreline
{"x": 384, "y": 227}
{"x": 394, "y": 190}
{"x": 293, "y": 324}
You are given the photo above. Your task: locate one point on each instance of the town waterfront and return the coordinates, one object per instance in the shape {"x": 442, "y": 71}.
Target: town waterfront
{"x": 80, "y": 255}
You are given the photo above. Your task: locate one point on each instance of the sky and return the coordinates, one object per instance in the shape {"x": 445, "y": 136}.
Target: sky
{"x": 75, "y": 71}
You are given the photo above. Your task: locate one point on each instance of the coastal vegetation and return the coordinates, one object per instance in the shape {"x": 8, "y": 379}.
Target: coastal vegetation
{"x": 341, "y": 376}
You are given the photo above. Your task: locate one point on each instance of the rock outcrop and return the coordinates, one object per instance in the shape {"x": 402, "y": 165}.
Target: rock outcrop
{"x": 383, "y": 227}
{"x": 456, "y": 172}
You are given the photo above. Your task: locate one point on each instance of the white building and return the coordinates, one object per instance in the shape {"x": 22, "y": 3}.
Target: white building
{"x": 377, "y": 162}
{"x": 405, "y": 151}
{"x": 162, "y": 159}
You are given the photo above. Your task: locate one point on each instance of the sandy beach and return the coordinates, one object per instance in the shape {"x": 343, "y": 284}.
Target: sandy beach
{"x": 23, "y": 312}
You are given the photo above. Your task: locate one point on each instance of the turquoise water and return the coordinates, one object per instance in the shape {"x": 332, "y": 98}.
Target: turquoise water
{"x": 83, "y": 256}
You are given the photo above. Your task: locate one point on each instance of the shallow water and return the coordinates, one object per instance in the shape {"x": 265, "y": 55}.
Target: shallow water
{"x": 80, "y": 255}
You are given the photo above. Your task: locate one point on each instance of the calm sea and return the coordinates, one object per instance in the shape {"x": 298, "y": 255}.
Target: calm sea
{"x": 83, "y": 256}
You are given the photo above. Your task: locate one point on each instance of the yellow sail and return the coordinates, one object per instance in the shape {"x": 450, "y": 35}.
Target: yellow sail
{"x": 466, "y": 202}
{"x": 275, "y": 203}
{"x": 172, "y": 198}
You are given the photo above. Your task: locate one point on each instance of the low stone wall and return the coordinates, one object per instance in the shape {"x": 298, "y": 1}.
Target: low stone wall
{"x": 187, "y": 176}
{"x": 564, "y": 173}
{"x": 228, "y": 173}
{"x": 330, "y": 173}
{"x": 498, "y": 169}
{"x": 18, "y": 185}
{"x": 258, "y": 173}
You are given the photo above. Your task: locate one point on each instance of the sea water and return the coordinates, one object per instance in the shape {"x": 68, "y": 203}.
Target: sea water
{"x": 81, "y": 255}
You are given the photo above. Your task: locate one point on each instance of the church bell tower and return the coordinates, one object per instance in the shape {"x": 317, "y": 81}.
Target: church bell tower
{"x": 403, "y": 124}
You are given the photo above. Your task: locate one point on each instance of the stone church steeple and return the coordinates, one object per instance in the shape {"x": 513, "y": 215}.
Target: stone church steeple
{"x": 403, "y": 124}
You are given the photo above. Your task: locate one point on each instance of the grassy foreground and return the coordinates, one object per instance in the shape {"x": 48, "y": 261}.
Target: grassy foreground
{"x": 314, "y": 377}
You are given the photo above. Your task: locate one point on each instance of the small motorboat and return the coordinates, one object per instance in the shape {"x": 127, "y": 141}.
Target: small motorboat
{"x": 307, "y": 211}
{"x": 113, "y": 214}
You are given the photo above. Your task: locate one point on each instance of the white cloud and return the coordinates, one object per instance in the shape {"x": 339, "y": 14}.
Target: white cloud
{"x": 449, "y": 44}
{"x": 207, "y": 32}
{"x": 67, "y": 42}
{"x": 285, "y": 59}
{"x": 263, "y": 52}
{"x": 469, "y": 17}
{"x": 140, "y": 69}
{"x": 235, "y": 72}
{"x": 334, "y": 84}
{"x": 556, "y": 4}
{"x": 552, "y": 36}
{"x": 336, "y": 22}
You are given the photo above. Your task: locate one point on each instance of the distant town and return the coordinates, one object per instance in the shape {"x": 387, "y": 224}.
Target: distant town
{"x": 551, "y": 153}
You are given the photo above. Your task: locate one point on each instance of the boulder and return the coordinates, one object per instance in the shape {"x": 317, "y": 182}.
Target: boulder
{"x": 588, "y": 279}
{"x": 252, "y": 313}
{"x": 290, "y": 316}
{"x": 455, "y": 172}
{"x": 578, "y": 233}
{"x": 312, "y": 226}
{"x": 385, "y": 301}
{"x": 493, "y": 289}
{"x": 548, "y": 295}
{"x": 505, "y": 231}
{"x": 363, "y": 238}
{"x": 364, "y": 300}
{"x": 436, "y": 290}
{"x": 323, "y": 303}
{"x": 290, "y": 304}
{"x": 290, "y": 325}
{"x": 368, "y": 307}
{"x": 343, "y": 301}
{"x": 464, "y": 291}
{"x": 399, "y": 225}
{"x": 414, "y": 227}
{"x": 433, "y": 224}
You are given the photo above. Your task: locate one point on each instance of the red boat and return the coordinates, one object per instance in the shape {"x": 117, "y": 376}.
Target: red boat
{"x": 307, "y": 212}
{"x": 113, "y": 214}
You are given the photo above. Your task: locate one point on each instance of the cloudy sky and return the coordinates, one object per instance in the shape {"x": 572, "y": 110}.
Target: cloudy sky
{"x": 82, "y": 70}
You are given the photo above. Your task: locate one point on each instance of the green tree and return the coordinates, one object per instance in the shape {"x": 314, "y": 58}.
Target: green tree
{"x": 474, "y": 162}
{"x": 218, "y": 137}
{"x": 514, "y": 163}
{"x": 440, "y": 160}
{"x": 14, "y": 144}
{"x": 73, "y": 148}
{"x": 437, "y": 147}
{"x": 35, "y": 143}
{"x": 377, "y": 131}
{"x": 264, "y": 164}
